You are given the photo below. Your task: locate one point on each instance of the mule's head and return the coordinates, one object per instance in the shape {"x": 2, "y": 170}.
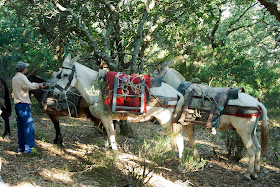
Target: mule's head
{"x": 169, "y": 75}
{"x": 66, "y": 78}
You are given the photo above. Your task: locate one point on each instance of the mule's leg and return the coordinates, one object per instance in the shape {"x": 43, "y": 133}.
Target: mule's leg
{"x": 245, "y": 134}
{"x": 177, "y": 138}
{"x": 98, "y": 112}
{"x": 175, "y": 130}
{"x": 5, "y": 117}
{"x": 109, "y": 126}
{"x": 258, "y": 150}
{"x": 189, "y": 130}
{"x": 58, "y": 137}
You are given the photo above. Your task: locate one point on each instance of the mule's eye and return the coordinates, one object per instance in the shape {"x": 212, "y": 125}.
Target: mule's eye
{"x": 65, "y": 75}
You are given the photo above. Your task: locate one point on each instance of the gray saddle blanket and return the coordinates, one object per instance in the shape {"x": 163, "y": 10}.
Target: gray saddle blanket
{"x": 204, "y": 97}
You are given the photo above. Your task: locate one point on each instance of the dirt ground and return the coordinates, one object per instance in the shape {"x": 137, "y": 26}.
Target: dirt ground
{"x": 82, "y": 162}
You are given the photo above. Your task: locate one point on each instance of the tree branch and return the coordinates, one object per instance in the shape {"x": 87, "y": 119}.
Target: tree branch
{"x": 212, "y": 36}
{"x": 138, "y": 41}
{"x": 84, "y": 33}
{"x": 273, "y": 7}
{"x": 239, "y": 17}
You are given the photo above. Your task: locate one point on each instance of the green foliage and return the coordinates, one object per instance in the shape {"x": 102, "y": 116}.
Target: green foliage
{"x": 225, "y": 43}
{"x": 19, "y": 41}
{"x": 158, "y": 150}
{"x": 235, "y": 147}
{"x": 191, "y": 163}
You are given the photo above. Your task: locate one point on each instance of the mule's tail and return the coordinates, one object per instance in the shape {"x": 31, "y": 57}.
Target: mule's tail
{"x": 264, "y": 131}
{"x": 8, "y": 105}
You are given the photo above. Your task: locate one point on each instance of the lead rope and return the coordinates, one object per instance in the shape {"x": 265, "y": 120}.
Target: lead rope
{"x": 48, "y": 90}
{"x": 67, "y": 101}
{"x": 203, "y": 95}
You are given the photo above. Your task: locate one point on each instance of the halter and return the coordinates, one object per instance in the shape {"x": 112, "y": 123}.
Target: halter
{"x": 70, "y": 78}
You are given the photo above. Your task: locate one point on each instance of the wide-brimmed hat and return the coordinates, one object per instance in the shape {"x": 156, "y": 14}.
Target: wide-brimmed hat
{"x": 20, "y": 65}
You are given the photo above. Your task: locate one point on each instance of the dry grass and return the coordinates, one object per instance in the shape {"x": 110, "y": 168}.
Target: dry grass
{"x": 85, "y": 162}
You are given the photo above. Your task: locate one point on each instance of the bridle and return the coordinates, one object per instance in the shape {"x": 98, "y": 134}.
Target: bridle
{"x": 70, "y": 78}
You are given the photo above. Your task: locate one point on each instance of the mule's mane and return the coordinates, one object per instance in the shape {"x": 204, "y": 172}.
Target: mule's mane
{"x": 85, "y": 68}
{"x": 34, "y": 78}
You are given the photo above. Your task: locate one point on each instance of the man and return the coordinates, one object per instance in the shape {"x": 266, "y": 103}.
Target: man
{"x": 21, "y": 86}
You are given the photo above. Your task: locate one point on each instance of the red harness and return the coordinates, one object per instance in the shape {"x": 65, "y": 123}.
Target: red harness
{"x": 241, "y": 112}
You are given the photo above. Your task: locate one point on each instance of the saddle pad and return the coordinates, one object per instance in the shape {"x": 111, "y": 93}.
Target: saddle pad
{"x": 129, "y": 85}
{"x": 204, "y": 96}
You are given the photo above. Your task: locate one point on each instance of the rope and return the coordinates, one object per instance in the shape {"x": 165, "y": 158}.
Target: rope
{"x": 50, "y": 88}
{"x": 136, "y": 88}
{"x": 204, "y": 95}
{"x": 127, "y": 83}
{"x": 159, "y": 102}
{"x": 67, "y": 101}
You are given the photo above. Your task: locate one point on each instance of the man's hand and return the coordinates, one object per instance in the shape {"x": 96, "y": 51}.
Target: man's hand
{"x": 42, "y": 86}
{"x": 48, "y": 84}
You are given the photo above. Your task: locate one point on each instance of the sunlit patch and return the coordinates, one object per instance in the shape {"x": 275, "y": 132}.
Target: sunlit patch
{"x": 3, "y": 139}
{"x": 129, "y": 163}
{"x": 77, "y": 122}
{"x": 10, "y": 152}
{"x": 54, "y": 150}
{"x": 24, "y": 184}
{"x": 207, "y": 143}
{"x": 228, "y": 166}
{"x": 57, "y": 175}
{"x": 80, "y": 151}
{"x": 272, "y": 168}
{"x": 45, "y": 119}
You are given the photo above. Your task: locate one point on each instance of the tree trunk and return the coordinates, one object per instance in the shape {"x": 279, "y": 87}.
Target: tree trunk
{"x": 273, "y": 6}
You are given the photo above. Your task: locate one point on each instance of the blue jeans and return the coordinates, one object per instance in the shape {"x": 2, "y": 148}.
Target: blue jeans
{"x": 25, "y": 124}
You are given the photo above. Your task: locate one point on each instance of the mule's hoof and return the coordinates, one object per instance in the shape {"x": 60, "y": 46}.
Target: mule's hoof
{"x": 213, "y": 131}
{"x": 59, "y": 144}
{"x": 114, "y": 147}
{"x": 7, "y": 138}
{"x": 254, "y": 176}
{"x": 247, "y": 177}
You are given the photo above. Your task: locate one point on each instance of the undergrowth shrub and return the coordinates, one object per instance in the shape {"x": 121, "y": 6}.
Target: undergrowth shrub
{"x": 192, "y": 163}
{"x": 233, "y": 142}
{"x": 157, "y": 150}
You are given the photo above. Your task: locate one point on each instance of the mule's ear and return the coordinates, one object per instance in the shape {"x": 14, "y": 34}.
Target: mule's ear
{"x": 54, "y": 74}
{"x": 163, "y": 68}
{"x": 74, "y": 59}
{"x": 68, "y": 58}
{"x": 169, "y": 63}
